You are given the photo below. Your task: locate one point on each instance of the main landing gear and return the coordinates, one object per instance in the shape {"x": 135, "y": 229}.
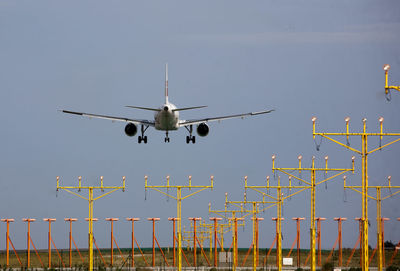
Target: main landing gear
{"x": 143, "y": 137}
{"x": 166, "y": 139}
{"x": 190, "y": 137}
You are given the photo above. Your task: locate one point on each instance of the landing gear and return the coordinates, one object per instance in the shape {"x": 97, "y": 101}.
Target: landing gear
{"x": 166, "y": 139}
{"x": 143, "y": 137}
{"x": 190, "y": 137}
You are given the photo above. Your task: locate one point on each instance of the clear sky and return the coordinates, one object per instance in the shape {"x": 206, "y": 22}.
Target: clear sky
{"x": 303, "y": 58}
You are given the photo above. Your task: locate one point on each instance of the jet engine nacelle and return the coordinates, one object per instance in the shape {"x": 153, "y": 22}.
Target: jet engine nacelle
{"x": 130, "y": 129}
{"x": 202, "y": 129}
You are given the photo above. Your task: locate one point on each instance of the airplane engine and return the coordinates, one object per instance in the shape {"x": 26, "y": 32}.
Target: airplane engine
{"x": 130, "y": 129}
{"x": 202, "y": 129}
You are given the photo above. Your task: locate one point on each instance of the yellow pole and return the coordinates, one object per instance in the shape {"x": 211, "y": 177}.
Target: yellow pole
{"x": 90, "y": 229}
{"x": 364, "y": 161}
{"x": 386, "y": 80}
{"x": 279, "y": 228}
{"x": 221, "y": 237}
{"x": 234, "y": 225}
{"x": 210, "y": 238}
{"x": 254, "y": 237}
{"x": 379, "y": 226}
{"x": 179, "y": 216}
{"x": 234, "y": 241}
{"x": 312, "y": 218}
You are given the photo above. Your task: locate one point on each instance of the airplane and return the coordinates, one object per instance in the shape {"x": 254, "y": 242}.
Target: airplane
{"x": 166, "y": 118}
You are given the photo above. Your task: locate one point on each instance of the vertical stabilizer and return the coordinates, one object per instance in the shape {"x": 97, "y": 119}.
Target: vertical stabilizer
{"x": 166, "y": 83}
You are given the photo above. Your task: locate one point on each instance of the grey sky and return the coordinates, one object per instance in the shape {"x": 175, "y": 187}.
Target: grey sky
{"x": 303, "y": 58}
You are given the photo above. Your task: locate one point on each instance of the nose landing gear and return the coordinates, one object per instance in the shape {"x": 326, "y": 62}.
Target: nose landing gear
{"x": 166, "y": 139}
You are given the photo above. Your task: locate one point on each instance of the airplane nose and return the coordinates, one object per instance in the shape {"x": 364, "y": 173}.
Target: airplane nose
{"x": 165, "y": 108}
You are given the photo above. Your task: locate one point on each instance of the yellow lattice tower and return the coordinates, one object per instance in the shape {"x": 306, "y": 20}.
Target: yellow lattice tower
{"x": 208, "y": 229}
{"x": 386, "y": 68}
{"x": 279, "y": 199}
{"x": 305, "y": 186}
{"x": 231, "y": 226}
{"x": 91, "y": 200}
{"x": 186, "y": 237}
{"x": 378, "y": 198}
{"x": 200, "y": 229}
{"x": 179, "y": 199}
{"x": 215, "y": 228}
{"x": 227, "y": 215}
{"x": 364, "y": 152}
{"x": 202, "y": 233}
{"x": 253, "y": 211}
{"x": 223, "y": 228}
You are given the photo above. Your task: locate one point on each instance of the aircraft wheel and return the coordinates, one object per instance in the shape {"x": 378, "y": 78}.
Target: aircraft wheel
{"x": 187, "y": 139}
{"x": 139, "y": 139}
{"x": 194, "y": 139}
{"x": 145, "y": 139}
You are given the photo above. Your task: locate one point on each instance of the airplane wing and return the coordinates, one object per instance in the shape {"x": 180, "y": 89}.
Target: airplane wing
{"x": 136, "y": 121}
{"x": 198, "y": 121}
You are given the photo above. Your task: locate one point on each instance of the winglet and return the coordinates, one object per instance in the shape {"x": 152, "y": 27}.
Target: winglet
{"x": 166, "y": 83}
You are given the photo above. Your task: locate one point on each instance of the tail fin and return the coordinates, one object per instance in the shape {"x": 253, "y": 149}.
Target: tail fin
{"x": 166, "y": 83}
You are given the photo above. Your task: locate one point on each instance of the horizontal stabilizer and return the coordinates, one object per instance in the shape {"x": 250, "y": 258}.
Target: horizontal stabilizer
{"x": 144, "y": 108}
{"x": 189, "y": 108}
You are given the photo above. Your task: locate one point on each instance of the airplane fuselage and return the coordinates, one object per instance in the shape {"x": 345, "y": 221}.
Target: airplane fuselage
{"x": 167, "y": 119}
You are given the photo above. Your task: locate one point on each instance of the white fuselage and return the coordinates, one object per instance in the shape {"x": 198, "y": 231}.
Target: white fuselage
{"x": 167, "y": 119}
